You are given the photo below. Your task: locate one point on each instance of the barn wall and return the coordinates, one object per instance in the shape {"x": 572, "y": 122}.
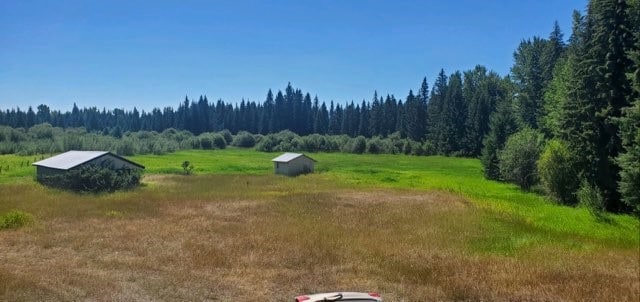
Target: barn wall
{"x": 44, "y": 171}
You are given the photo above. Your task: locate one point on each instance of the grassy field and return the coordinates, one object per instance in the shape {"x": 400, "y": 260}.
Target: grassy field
{"x": 408, "y": 227}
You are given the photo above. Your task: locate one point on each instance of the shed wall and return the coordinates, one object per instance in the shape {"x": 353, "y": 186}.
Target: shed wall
{"x": 294, "y": 167}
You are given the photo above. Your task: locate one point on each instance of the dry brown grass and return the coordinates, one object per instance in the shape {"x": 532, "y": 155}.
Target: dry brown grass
{"x": 260, "y": 238}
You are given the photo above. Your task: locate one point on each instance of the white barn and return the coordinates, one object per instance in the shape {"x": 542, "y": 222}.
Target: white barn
{"x": 293, "y": 164}
{"x": 72, "y": 159}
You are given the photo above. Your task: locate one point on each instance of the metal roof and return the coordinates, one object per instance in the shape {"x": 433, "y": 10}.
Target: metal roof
{"x": 70, "y": 159}
{"x": 287, "y": 157}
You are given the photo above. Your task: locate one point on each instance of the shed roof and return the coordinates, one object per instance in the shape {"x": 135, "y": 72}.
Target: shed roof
{"x": 71, "y": 159}
{"x": 287, "y": 157}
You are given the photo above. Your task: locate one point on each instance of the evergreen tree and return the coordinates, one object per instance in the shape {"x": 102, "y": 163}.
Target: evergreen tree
{"x": 267, "y": 116}
{"x": 453, "y": 116}
{"x": 435, "y": 122}
{"x": 363, "y": 127}
{"x": 413, "y": 117}
{"x": 554, "y": 97}
{"x": 502, "y": 125}
{"x": 375, "y": 116}
{"x": 598, "y": 91}
{"x": 528, "y": 73}
{"x": 280, "y": 115}
{"x": 481, "y": 91}
{"x": 322, "y": 120}
{"x": 629, "y": 159}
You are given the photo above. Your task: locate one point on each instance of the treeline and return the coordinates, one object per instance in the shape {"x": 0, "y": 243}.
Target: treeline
{"x": 566, "y": 117}
{"x": 455, "y": 122}
{"x": 46, "y": 139}
{"x": 574, "y": 124}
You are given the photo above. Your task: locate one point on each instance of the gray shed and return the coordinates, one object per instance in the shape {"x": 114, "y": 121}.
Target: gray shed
{"x": 73, "y": 159}
{"x": 292, "y": 164}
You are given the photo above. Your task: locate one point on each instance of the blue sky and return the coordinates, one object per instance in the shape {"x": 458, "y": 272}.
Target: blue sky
{"x": 121, "y": 54}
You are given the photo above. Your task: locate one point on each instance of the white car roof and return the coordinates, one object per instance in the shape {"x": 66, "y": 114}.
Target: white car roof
{"x": 345, "y": 296}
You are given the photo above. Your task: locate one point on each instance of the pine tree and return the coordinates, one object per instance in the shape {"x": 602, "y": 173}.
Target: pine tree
{"x": 554, "y": 50}
{"x": 481, "y": 92}
{"x": 435, "y": 123}
{"x": 413, "y": 114}
{"x": 321, "y": 125}
{"x": 266, "y": 119}
{"x": 375, "y": 116}
{"x": 502, "y": 125}
{"x": 280, "y": 115}
{"x": 629, "y": 159}
{"x": 453, "y": 116}
{"x": 598, "y": 92}
{"x": 363, "y": 127}
{"x": 528, "y": 73}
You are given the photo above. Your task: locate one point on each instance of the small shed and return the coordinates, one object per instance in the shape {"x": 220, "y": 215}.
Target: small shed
{"x": 293, "y": 164}
{"x": 72, "y": 159}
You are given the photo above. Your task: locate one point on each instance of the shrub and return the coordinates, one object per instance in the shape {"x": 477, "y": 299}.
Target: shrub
{"x": 428, "y": 148}
{"x": 41, "y": 131}
{"x": 187, "y": 166}
{"x": 358, "y": 145}
{"x": 267, "y": 144}
{"x": 227, "y": 136}
{"x": 206, "y": 143}
{"x": 218, "y": 141}
{"x": 94, "y": 178}
{"x": 591, "y": 198}
{"x": 126, "y": 147}
{"x": 517, "y": 161}
{"x": 374, "y": 146}
{"x": 557, "y": 172}
{"x": 244, "y": 140}
{"x": 15, "y": 219}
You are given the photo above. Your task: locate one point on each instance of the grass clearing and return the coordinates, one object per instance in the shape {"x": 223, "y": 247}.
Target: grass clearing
{"x": 409, "y": 227}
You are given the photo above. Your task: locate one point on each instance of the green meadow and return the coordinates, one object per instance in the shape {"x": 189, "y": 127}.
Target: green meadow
{"x": 528, "y": 217}
{"x": 415, "y": 227}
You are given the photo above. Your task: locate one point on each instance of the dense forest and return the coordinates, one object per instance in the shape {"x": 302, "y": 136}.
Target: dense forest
{"x": 567, "y": 117}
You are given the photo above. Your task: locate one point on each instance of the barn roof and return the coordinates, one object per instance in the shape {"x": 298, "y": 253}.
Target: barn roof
{"x": 71, "y": 159}
{"x": 287, "y": 157}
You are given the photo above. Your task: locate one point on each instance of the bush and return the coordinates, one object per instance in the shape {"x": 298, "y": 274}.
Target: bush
{"x": 126, "y": 147}
{"x": 267, "y": 144}
{"x": 517, "y": 161}
{"x": 218, "y": 141}
{"x": 591, "y": 198}
{"x": 557, "y": 172}
{"x": 187, "y": 166}
{"x": 428, "y": 148}
{"x": 358, "y": 145}
{"x": 374, "y": 146}
{"x": 15, "y": 219}
{"x": 94, "y": 179}
{"x": 227, "y": 136}
{"x": 206, "y": 143}
{"x": 244, "y": 140}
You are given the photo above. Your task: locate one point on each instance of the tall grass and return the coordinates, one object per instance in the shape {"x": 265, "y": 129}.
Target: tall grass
{"x": 266, "y": 237}
{"x": 460, "y": 176}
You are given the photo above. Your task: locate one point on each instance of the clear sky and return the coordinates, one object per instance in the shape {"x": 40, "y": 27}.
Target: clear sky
{"x": 121, "y": 54}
